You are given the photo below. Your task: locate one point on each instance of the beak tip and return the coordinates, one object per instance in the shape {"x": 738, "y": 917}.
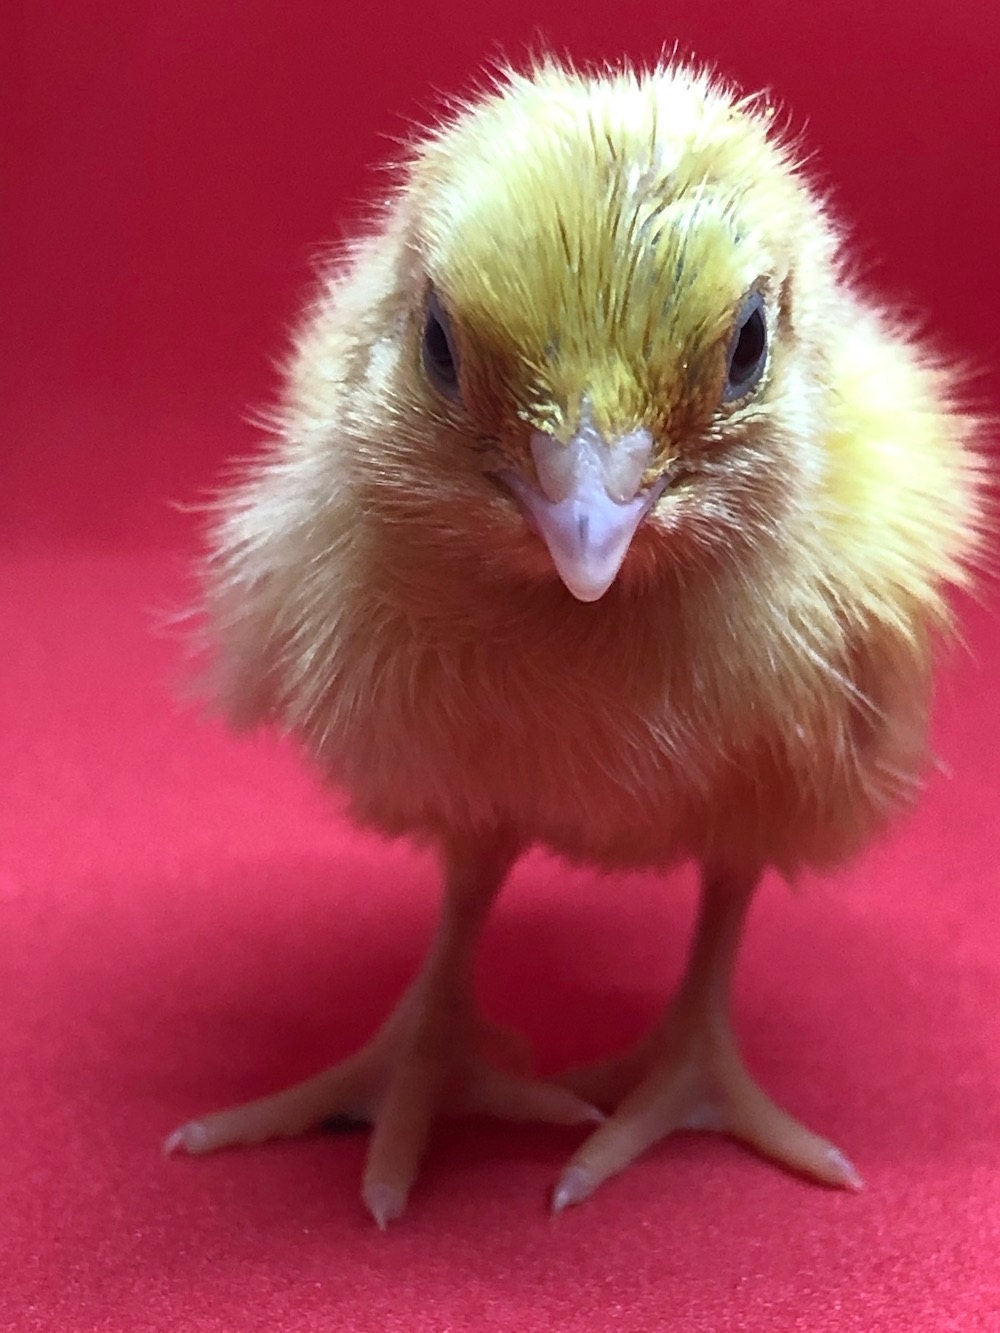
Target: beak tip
{"x": 588, "y": 557}
{"x": 585, "y": 587}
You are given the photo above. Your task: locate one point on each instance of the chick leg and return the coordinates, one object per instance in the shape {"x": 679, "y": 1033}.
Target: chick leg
{"x": 689, "y": 1074}
{"x": 428, "y": 1059}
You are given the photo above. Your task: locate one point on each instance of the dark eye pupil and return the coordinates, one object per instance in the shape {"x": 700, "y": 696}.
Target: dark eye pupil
{"x": 748, "y": 354}
{"x": 439, "y": 357}
{"x": 749, "y": 347}
{"x": 437, "y": 349}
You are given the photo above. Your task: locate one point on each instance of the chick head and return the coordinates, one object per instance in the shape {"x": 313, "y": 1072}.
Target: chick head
{"x": 617, "y": 288}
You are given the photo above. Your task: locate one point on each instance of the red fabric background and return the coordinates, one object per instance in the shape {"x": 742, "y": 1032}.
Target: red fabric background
{"x": 183, "y": 917}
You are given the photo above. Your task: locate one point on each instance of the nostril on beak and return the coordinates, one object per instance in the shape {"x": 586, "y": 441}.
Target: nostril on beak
{"x": 617, "y": 466}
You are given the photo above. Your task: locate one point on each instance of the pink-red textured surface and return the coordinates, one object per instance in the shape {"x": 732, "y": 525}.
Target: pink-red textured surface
{"x": 186, "y": 919}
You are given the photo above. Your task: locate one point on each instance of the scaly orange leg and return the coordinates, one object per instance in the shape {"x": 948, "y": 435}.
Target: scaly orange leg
{"x": 689, "y": 1074}
{"x": 433, "y": 1056}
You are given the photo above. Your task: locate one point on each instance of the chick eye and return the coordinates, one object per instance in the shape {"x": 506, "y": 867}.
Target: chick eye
{"x": 439, "y": 354}
{"x": 747, "y": 350}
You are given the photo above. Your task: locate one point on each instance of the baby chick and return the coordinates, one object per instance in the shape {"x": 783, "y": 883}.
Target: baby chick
{"x": 604, "y": 514}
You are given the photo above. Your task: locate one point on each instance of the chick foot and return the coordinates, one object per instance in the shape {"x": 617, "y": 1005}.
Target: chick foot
{"x": 434, "y": 1056}
{"x": 689, "y": 1074}
{"x": 427, "y": 1061}
{"x": 697, "y": 1081}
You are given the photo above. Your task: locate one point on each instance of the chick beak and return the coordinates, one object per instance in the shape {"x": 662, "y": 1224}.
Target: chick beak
{"x": 590, "y": 503}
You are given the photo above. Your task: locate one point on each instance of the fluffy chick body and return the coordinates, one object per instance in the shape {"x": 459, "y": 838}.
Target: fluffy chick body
{"x": 580, "y": 279}
{"x": 753, "y": 689}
